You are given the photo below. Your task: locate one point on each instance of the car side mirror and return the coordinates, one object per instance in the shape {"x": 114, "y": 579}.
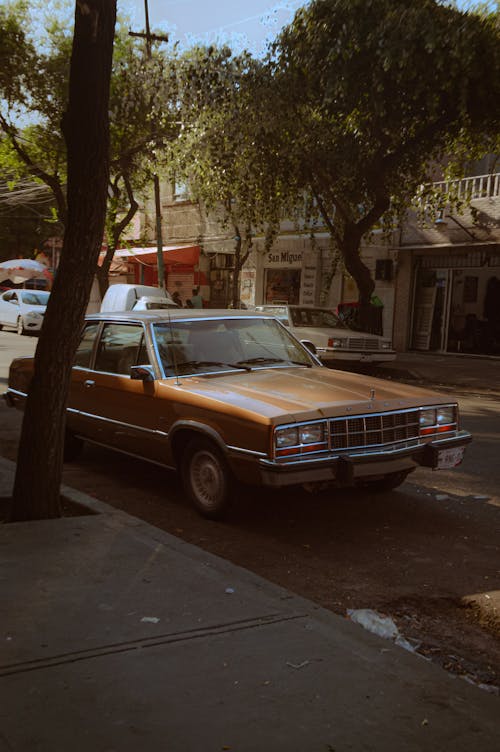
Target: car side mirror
{"x": 309, "y": 346}
{"x": 142, "y": 373}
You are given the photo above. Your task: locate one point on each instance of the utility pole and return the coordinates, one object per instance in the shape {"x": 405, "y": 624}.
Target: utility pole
{"x": 156, "y": 180}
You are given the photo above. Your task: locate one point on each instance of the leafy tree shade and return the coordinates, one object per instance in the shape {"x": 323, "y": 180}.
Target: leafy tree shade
{"x": 16, "y": 53}
{"x": 372, "y": 92}
{"x": 86, "y": 129}
{"x": 139, "y": 88}
{"x": 224, "y": 99}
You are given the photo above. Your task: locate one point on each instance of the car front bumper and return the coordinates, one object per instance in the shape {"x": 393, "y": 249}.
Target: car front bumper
{"x": 331, "y": 355}
{"x": 345, "y": 469}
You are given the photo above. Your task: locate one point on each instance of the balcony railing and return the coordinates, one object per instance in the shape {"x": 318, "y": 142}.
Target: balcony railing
{"x": 480, "y": 186}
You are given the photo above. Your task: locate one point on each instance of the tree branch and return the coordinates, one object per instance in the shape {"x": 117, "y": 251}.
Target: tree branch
{"x": 50, "y": 180}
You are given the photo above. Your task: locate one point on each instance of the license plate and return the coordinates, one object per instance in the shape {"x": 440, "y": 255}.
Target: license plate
{"x": 450, "y": 457}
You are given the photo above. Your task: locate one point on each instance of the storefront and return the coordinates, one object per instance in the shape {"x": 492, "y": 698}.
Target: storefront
{"x": 183, "y": 270}
{"x": 289, "y": 277}
{"x": 457, "y": 301}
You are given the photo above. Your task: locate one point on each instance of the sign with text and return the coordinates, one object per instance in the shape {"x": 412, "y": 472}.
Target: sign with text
{"x": 288, "y": 259}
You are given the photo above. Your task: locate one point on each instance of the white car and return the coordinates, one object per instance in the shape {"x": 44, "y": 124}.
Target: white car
{"x": 23, "y": 309}
{"x": 334, "y": 341}
{"x": 149, "y": 303}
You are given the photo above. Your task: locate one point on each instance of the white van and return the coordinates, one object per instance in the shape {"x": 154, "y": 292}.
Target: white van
{"x": 122, "y": 297}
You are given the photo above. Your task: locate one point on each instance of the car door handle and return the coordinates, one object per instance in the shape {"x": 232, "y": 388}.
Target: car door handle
{"x": 88, "y": 383}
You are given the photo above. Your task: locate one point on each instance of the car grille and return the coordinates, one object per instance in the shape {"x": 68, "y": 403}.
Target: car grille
{"x": 375, "y": 430}
{"x": 363, "y": 343}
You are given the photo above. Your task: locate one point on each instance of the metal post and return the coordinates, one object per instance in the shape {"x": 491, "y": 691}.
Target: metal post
{"x": 156, "y": 181}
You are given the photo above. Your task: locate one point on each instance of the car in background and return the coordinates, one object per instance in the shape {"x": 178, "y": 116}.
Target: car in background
{"x": 23, "y": 310}
{"x": 150, "y": 303}
{"x": 232, "y": 396}
{"x": 125, "y": 297}
{"x": 334, "y": 342}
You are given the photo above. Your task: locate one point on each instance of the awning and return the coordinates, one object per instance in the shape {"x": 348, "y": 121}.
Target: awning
{"x": 187, "y": 255}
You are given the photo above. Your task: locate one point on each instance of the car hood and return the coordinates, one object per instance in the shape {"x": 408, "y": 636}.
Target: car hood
{"x": 321, "y": 335}
{"x": 296, "y": 394}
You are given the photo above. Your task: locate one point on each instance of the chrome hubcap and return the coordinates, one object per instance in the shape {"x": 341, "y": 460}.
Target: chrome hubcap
{"x": 206, "y": 478}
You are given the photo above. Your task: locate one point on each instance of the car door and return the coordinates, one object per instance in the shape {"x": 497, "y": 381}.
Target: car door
{"x": 9, "y": 308}
{"x": 77, "y": 397}
{"x": 117, "y": 410}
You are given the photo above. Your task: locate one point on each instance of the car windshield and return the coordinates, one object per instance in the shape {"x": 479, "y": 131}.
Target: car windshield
{"x": 30, "y": 297}
{"x": 321, "y": 318}
{"x": 211, "y": 345}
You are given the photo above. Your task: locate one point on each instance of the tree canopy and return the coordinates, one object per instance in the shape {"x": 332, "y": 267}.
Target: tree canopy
{"x": 36, "y": 97}
{"x": 371, "y": 94}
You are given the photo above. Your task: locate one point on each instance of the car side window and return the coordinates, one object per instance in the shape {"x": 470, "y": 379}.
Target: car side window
{"x": 83, "y": 355}
{"x": 121, "y": 346}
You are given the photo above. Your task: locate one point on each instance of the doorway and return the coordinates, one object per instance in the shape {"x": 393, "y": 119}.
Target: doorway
{"x": 431, "y": 310}
{"x": 282, "y": 286}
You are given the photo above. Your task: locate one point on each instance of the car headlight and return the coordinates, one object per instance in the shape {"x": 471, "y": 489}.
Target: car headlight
{"x": 285, "y": 437}
{"x": 308, "y": 437}
{"x": 427, "y": 418}
{"x": 33, "y": 315}
{"x": 337, "y": 342}
{"x": 438, "y": 419}
{"x": 386, "y": 345}
{"x": 446, "y": 415}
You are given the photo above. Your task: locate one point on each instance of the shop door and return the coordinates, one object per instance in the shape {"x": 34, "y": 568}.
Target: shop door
{"x": 431, "y": 312}
{"x": 282, "y": 286}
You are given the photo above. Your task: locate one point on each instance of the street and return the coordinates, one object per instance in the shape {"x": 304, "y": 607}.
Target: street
{"x": 427, "y": 554}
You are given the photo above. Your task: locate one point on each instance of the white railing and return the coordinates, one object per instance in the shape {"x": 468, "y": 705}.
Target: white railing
{"x": 480, "y": 186}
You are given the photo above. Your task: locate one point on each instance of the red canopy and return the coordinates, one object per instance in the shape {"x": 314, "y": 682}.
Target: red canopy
{"x": 187, "y": 255}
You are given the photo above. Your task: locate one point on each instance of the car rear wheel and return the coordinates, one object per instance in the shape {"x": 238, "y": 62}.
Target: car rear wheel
{"x": 20, "y": 326}
{"x": 206, "y": 478}
{"x": 72, "y": 446}
{"x": 385, "y": 483}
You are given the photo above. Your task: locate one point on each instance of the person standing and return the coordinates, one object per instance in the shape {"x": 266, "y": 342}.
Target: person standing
{"x": 196, "y": 299}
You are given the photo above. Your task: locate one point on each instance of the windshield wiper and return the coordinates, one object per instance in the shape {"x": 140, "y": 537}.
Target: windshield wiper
{"x": 202, "y": 363}
{"x": 263, "y": 360}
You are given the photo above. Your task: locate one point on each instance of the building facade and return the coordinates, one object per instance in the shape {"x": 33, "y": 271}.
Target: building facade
{"x": 438, "y": 283}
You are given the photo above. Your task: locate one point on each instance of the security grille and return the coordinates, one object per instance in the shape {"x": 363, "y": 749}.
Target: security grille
{"x": 375, "y": 430}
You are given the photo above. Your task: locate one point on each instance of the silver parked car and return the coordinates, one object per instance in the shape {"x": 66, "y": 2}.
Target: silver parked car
{"x": 23, "y": 309}
{"x": 335, "y": 343}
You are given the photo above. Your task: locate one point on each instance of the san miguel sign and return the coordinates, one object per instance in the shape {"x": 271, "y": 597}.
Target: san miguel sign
{"x": 284, "y": 259}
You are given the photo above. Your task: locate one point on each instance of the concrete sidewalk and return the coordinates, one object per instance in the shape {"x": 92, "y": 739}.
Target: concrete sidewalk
{"x": 120, "y": 637}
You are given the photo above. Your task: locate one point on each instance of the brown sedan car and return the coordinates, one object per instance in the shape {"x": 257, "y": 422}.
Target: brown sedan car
{"x": 226, "y": 396}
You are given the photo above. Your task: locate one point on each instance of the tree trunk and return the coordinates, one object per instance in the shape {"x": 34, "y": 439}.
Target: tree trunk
{"x": 235, "y": 291}
{"x": 350, "y": 249}
{"x": 86, "y": 129}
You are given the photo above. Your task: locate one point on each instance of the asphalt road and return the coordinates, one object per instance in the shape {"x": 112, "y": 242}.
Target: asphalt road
{"x": 427, "y": 554}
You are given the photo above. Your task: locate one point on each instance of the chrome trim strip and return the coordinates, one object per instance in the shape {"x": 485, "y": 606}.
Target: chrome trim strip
{"x": 350, "y": 416}
{"x": 250, "y": 452}
{"x": 10, "y": 390}
{"x": 111, "y": 421}
{"x": 304, "y": 459}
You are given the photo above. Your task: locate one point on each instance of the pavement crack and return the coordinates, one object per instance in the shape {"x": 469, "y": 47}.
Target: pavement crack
{"x": 37, "y": 664}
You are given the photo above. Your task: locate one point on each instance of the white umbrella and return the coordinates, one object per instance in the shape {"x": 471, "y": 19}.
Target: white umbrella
{"x": 19, "y": 270}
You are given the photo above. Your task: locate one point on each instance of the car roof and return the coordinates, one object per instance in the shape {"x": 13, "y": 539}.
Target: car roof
{"x": 174, "y": 314}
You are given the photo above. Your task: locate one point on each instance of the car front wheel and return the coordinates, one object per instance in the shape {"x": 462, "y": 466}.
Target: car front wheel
{"x": 206, "y": 478}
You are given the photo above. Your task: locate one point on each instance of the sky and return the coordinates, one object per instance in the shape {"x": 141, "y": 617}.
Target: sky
{"x": 240, "y": 23}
